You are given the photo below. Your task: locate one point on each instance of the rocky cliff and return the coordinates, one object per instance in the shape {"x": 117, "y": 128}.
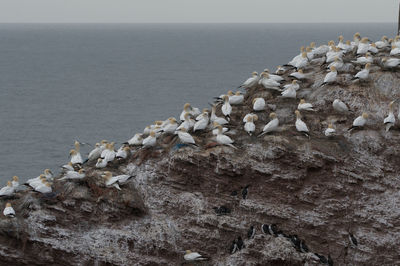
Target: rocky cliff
{"x": 317, "y": 188}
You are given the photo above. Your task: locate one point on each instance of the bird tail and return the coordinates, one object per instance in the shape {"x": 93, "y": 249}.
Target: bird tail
{"x": 262, "y": 134}
{"x": 85, "y": 161}
{"x": 231, "y": 145}
{"x": 351, "y": 128}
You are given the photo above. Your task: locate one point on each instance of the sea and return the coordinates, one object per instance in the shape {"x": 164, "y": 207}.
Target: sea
{"x": 88, "y": 82}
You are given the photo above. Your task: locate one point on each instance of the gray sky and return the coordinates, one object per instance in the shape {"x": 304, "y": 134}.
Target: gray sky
{"x": 142, "y": 11}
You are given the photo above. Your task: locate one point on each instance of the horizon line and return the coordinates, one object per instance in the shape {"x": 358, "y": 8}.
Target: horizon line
{"x": 276, "y": 22}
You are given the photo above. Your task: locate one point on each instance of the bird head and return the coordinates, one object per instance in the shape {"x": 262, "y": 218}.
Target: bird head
{"x": 8, "y": 204}
{"x": 300, "y": 71}
{"x": 302, "y": 101}
{"x": 230, "y": 93}
{"x": 312, "y": 44}
{"x": 330, "y": 125}
{"x": 365, "y": 115}
{"x": 152, "y": 134}
{"x": 272, "y": 115}
{"x": 255, "y": 117}
{"x": 81, "y": 171}
{"x": 72, "y": 152}
{"x": 254, "y": 73}
{"x": 15, "y": 178}
{"x": 9, "y": 184}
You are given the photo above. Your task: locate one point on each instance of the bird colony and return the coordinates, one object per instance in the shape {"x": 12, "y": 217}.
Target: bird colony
{"x": 195, "y": 129}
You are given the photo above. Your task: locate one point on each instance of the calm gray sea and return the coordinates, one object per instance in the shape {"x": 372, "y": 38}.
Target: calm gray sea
{"x": 61, "y": 82}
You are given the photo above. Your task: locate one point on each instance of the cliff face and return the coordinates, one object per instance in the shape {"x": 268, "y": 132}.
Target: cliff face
{"x": 319, "y": 188}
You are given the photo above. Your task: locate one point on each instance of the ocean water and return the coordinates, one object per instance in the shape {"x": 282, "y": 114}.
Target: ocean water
{"x": 88, "y": 82}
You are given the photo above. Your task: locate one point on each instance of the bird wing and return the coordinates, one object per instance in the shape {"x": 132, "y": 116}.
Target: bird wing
{"x": 301, "y": 126}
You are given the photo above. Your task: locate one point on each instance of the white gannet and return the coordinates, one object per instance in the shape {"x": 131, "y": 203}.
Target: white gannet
{"x": 48, "y": 174}
{"x": 383, "y": 43}
{"x": 336, "y": 52}
{"x": 297, "y": 57}
{"x": 34, "y": 182}
{"x": 215, "y": 118}
{"x": 150, "y": 141}
{"x": 258, "y": 104}
{"x": 280, "y": 70}
{"x": 293, "y": 85}
{"x": 305, "y": 106}
{"x": 216, "y": 130}
{"x": 356, "y": 40}
{"x": 7, "y": 190}
{"x": 75, "y": 157}
{"x": 347, "y": 47}
{"x": 109, "y": 153}
{"x": 15, "y": 182}
{"x": 277, "y": 78}
{"x": 123, "y": 152}
{"x": 226, "y": 108}
{"x": 310, "y": 53}
{"x": 113, "y": 180}
{"x": 320, "y": 50}
{"x": 300, "y": 125}
{"x": 289, "y": 93}
{"x": 331, "y": 76}
{"x": 364, "y": 59}
{"x": 359, "y": 121}
{"x": 44, "y": 188}
{"x": 250, "y": 82}
{"x": 188, "y": 123}
{"x": 372, "y": 48}
{"x": 302, "y": 62}
{"x": 185, "y": 137}
{"x": 390, "y": 62}
{"x": 363, "y": 46}
{"x": 340, "y": 106}
{"x": 237, "y": 98}
{"x": 395, "y": 50}
{"x": 101, "y": 163}
{"x": 95, "y": 153}
{"x": 223, "y": 139}
{"x": 73, "y": 175}
{"x": 249, "y": 126}
{"x": 202, "y": 123}
{"x": 390, "y": 119}
{"x": 136, "y": 140}
{"x": 363, "y": 74}
{"x": 396, "y": 41}
{"x": 337, "y": 63}
{"x": 298, "y": 74}
{"x": 187, "y": 108}
{"x": 268, "y": 83}
{"x": 77, "y": 146}
{"x": 193, "y": 256}
{"x": 68, "y": 167}
{"x": 272, "y": 125}
{"x": 330, "y": 131}
{"x": 8, "y": 210}
{"x": 146, "y": 130}
{"x": 341, "y": 44}
{"x": 170, "y": 126}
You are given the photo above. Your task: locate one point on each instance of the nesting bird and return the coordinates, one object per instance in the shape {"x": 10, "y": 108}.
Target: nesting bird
{"x": 250, "y": 82}
{"x": 249, "y": 126}
{"x": 194, "y": 256}
{"x": 9, "y": 211}
{"x": 330, "y": 131}
{"x": 331, "y": 76}
{"x": 305, "y": 106}
{"x": 258, "y": 104}
{"x": 272, "y": 125}
{"x": 359, "y": 122}
{"x": 339, "y": 106}
{"x": 7, "y": 190}
{"x": 300, "y": 125}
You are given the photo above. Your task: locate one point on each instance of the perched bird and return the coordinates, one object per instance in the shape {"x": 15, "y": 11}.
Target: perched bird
{"x": 137, "y": 139}
{"x": 15, "y": 182}
{"x": 185, "y": 137}
{"x": 44, "y": 188}
{"x": 188, "y": 109}
{"x": 337, "y": 63}
{"x": 359, "y": 121}
{"x": 395, "y": 50}
{"x": 258, "y": 104}
{"x": 272, "y": 124}
{"x": 300, "y": 125}
{"x": 215, "y": 118}
{"x": 113, "y": 180}
{"x": 305, "y": 106}
{"x": 100, "y": 163}
{"x": 68, "y": 167}
{"x": 390, "y": 119}
{"x": 236, "y": 99}
{"x": 298, "y": 74}
{"x": 250, "y": 82}
{"x": 331, "y": 76}
{"x": 280, "y": 70}
{"x": 188, "y": 123}
{"x": 9, "y": 211}
{"x": 215, "y": 130}
{"x": 223, "y": 139}
{"x": 34, "y": 182}
{"x": 75, "y": 157}
{"x": 297, "y": 57}
{"x": 340, "y": 106}
{"x": 363, "y": 59}
{"x": 226, "y": 108}
{"x": 109, "y": 153}
{"x": 251, "y": 232}
{"x": 277, "y": 78}
{"x": 233, "y": 247}
{"x": 294, "y": 85}
{"x": 193, "y": 256}
{"x": 372, "y": 48}
{"x": 269, "y": 83}
{"x": 123, "y": 153}
{"x": 289, "y": 93}
{"x": 73, "y": 175}
{"x": 7, "y": 190}
{"x": 249, "y": 126}
{"x": 353, "y": 240}
{"x": 363, "y": 74}
{"x": 202, "y": 123}
{"x": 245, "y": 191}
{"x": 302, "y": 62}
{"x": 383, "y": 43}
{"x": 150, "y": 141}
{"x": 48, "y": 174}
{"x": 330, "y": 131}
{"x": 171, "y": 125}
{"x": 390, "y": 62}
{"x": 363, "y": 46}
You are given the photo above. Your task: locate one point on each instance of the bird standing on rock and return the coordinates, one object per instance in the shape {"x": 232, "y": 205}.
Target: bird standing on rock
{"x": 9, "y": 211}
{"x": 359, "y": 122}
{"x": 245, "y": 191}
{"x": 194, "y": 256}
{"x": 271, "y": 126}
{"x": 300, "y": 125}
{"x": 340, "y": 106}
{"x": 390, "y": 119}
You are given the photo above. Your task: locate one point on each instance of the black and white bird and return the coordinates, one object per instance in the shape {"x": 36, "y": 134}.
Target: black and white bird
{"x": 194, "y": 256}
{"x": 264, "y": 229}
{"x": 390, "y": 119}
{"x": 353, "y": 240}
{"x": 273, "y": 229}
{"x": 359, "y": 122}
{"x": 234, "y": 247}
{"x": 251, "y": 232}
{"x": 245, "y": 191}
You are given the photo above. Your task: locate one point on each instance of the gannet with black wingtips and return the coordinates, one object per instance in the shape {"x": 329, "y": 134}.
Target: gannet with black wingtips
{"x": 390, "y": 119}
{"x": 7, "y": 190}
{"x": 188, "y": 123}
{"x": 215, "y": 130}
{"x": 185, "y": 137}
{"x": 171, "y": 126}
{"x": 363, "y": 46}
{"x": 73, "y": 175}
{"x": 223, "y": 139}
{"x": 383, "y": 43}
{"x": 390, "y": 62}
{"x": 289, "y": 93}
{"x": 280, "y": 70}
{"x": 237, "y": 98}
{"x": 297, "y": 57}
{"x": 115, "y": 180}
{"x": 363, "y": 74}
{"x": 372, "y": 48}
{"x": 15, "y": 181}
{"x": 359, "y": 122}
{"x": 44, "y": 188}
{"x": 215, "y": 118}
{"x": 194, "y": 256}
{"x": 226, "y": 108}
{"x": 330, "y": 131}
{"x": 101, "y": 163}
{"x": 249, "y": 126}
{"x": 250, "y": 82}
{"x": 331, "y": 76}
{"x": 298, "y": 74}
{"x": 150, "y": 141}
{"x": 363, "y": 59}
{"x": 34, "y": 182}
{"x": 302, "y": 62}
{"x": 75, "y": 157}
{"x": 202, "y": 123}
{"x": 258, "y": 104}
{"x": 277, "y": 78}
{"x": 395, "y": 50}
{"x": 337, "y": 63}
{"x": 305, "y": 106}
{"x": 300, "y": 125}
{"x": 293, "y": 85}
{"x": 320, "y": 50}
{"x": 271, "y": 126}
{"x": 136, "y": 140}
{"x": 268, "y": 83}
{"x": 68, "y": 167}
{"x": 123, "y": 153}
{"x": 340, "y": 106}
{"x": 95, "y": 153}
{"x": 186, "y": 110}
{"x": 9, "y": 211}
{"x": 109, "y": 153}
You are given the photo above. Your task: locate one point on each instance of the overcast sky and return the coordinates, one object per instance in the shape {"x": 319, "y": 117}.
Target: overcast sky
{"x": 142, "y": 11}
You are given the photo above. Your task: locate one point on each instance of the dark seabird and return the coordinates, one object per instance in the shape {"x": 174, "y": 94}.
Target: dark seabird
{"x": 251, "y": 232}
{"x": 353, "y": 240}
{"x": 322, "y": 258}
{"x": 303, "y": 247}
{"x": 245, "y": 192}
{"x": 264, "y": 229}
{"x": 273, "y": 229}
{"x": 234, "y": 247}
{"x": 240, "y": 243}
{"x": 295, "y": 241}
